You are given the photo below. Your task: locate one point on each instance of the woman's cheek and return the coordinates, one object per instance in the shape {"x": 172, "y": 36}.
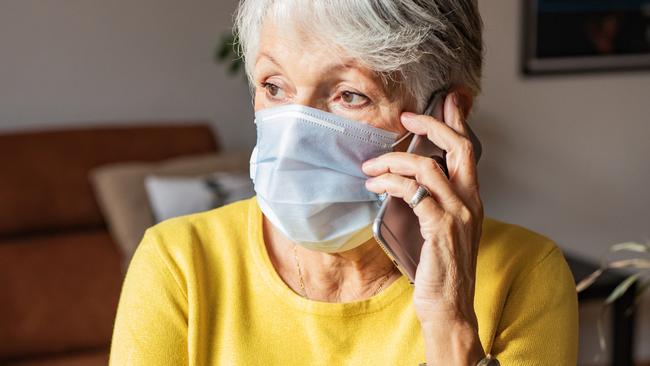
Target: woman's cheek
{"x": 369, "y": 115}
{"x": 389, "y": 120}
{"x": 260, "y": 100}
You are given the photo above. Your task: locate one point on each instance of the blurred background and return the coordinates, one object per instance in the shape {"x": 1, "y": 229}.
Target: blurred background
{"x": 83, "y": 83}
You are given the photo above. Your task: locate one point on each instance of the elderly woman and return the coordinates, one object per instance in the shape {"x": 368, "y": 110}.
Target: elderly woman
{"x": 294, "y": 276}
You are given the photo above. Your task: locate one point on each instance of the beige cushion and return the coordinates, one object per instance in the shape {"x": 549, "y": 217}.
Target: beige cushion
{"x": 122, "y": 197}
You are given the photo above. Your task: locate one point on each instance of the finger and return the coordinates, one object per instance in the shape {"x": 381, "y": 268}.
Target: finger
{"x": 426, "y": 171}
{"x": 454, "y": 116}
{"x": 404, "y": 188}
{"x": 460, "y": 155}
{"x": 437, "y": 132}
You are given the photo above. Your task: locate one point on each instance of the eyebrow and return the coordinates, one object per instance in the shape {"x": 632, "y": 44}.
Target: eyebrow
{"x": 269, "y": 57}
{"x": 329, "y": 70}
{"x": 332, "y": 68}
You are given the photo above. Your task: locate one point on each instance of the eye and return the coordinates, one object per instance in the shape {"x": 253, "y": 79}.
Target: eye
{"x": 274, "y": 91}
{"x": 353, "y": 99}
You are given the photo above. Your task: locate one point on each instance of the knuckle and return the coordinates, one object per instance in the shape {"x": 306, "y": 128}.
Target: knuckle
{"x": 447, "y": 221}
{"x": 466, "y": 146}
{"x": 431, "y": 132}
{"x": 389, "y": 183}
{"x": 411, "y": 186}
{"x": 427, "y": 165}
{"x": 465, "y": 214}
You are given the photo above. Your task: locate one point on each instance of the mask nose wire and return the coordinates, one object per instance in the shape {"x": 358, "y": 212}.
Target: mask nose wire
{"x": 399, "y": 140}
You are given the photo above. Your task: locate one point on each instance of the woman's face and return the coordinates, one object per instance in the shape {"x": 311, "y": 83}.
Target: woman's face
{"x": 293, "y": 69}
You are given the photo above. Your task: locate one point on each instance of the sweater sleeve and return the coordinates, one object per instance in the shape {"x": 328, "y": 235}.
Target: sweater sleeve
{"x": 539, "y": 325}
{"x": 151, "y": 323}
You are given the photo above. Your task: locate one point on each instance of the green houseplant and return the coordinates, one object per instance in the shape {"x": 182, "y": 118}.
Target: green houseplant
{"x": 634, "y": 258}
{"x": 226, "y": 53}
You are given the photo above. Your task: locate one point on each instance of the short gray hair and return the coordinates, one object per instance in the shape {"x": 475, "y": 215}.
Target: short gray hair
{"x": 428, "y": 44}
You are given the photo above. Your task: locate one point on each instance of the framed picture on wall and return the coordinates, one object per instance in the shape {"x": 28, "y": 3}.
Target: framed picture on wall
{"x": 585, "y": 35}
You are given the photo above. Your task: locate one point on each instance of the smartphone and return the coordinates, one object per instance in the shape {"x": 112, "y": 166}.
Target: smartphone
{"x": 396, "y": 227}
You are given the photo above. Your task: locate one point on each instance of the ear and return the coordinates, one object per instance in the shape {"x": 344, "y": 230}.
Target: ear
{"x": 465, "y": 99}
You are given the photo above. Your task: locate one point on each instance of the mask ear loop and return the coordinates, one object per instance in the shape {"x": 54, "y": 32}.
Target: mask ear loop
{"x": 399, "y": 141}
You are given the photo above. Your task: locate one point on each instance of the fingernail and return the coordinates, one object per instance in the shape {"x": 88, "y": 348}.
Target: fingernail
{"x": 368, "y": 164}
{"x": 369, "y": 183}
{"x": 408, "y": 117}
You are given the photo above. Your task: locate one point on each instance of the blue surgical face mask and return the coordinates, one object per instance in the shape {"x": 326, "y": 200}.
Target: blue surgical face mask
{"x": 306, "y": 168}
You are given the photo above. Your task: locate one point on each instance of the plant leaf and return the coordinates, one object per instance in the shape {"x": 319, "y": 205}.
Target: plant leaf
{"x": 225, "y": 49}
{"x": 641, "y": 289}
{"x": 589, "y": 280}
{"x": 635, "y": 263}
{"x": 621, "y": 288}
{"x": 630, "y": 247}
{"x": 235, "y": 66}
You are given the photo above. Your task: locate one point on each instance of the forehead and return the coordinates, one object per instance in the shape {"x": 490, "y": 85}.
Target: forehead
{"x": 301, "y": 51}
{"x": 286, "y": 34}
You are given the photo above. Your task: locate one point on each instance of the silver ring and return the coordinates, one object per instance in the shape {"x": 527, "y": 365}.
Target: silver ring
{"x": 419, "y": 195}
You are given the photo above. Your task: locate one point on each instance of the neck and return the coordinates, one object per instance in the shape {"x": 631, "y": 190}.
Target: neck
{"x": 348, "y": 276}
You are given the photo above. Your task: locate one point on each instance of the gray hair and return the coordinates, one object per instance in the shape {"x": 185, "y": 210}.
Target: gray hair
{"x": 428, "y": 44}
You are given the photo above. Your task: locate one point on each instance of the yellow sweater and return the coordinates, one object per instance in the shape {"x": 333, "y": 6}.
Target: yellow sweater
{"x": 201, "y": 290}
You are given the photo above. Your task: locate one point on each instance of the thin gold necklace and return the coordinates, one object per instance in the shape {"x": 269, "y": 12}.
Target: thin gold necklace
{"x": 302, "y": 282}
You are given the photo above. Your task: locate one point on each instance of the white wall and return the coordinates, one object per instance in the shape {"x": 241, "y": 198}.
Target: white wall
{"x": 566, "y": 156}
{"x": 86, "y": 61}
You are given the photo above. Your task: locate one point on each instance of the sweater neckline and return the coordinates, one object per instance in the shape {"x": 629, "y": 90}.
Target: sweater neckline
{"x": 275, "y": 283}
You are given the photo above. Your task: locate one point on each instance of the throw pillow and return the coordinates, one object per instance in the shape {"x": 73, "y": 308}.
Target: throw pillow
{"x": 176, "y": 196}
{"x": 121, "y": 195}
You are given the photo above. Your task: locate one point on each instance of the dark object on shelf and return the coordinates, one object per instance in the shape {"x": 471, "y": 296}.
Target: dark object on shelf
{"x": 585, "y": 35}
{"x": 624, "y": 310}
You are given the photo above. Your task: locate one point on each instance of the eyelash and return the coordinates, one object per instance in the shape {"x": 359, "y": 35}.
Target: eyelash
{"x": 267, "y": 86}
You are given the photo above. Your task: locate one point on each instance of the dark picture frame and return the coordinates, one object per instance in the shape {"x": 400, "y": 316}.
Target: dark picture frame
{"x": 569, "y": 36}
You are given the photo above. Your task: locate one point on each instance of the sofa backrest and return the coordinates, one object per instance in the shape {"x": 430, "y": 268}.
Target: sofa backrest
{"x": 44, "y": 185}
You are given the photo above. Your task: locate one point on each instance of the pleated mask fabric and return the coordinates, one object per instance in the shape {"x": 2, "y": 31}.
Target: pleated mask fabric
{"x": 306, "y": 169}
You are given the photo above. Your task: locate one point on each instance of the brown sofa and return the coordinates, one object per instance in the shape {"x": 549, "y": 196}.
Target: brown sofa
{"x": 60, "y": 273}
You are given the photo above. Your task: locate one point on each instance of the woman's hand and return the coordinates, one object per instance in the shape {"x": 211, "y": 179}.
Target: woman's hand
{"x": 450, "y": 222}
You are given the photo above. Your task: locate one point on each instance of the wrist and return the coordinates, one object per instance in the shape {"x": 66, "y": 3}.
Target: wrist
{"x": 437, "y": 312}
{"x": 452, "y": 343}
